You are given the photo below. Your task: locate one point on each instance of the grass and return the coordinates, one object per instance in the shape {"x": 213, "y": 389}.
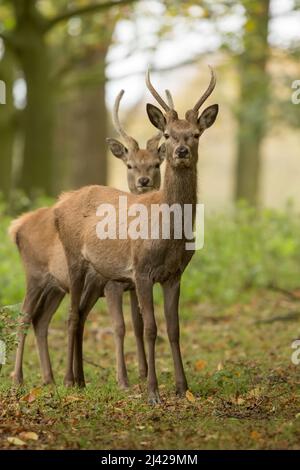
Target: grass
{"x": 240, "y": 313}
{"x": 245, "y": 389}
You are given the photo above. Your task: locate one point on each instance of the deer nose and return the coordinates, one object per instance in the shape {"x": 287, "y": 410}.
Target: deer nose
{"x": 182, "y": 152}
{"x": 144, "y": 181}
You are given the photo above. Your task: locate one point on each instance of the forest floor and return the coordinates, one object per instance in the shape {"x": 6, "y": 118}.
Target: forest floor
{"x": 244, "y": 387}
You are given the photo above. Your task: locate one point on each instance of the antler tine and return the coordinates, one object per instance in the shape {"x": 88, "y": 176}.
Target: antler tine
{"x": 153, "y": 142}
{"x": 208, "y": 92}
{"x": 169, "y": 99}
{"x": 155, "y": 93}
{"x": 116, "y": 121}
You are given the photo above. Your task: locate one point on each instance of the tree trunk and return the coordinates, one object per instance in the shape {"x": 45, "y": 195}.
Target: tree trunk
{"x": 254, "y": 97}
{"x": 82, "y": 135}
{"x": 6, "y": 125}
{"x": 36, "y": 176}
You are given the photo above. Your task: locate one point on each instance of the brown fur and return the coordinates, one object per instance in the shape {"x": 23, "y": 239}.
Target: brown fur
{"x": 47, "y": 279}
{"x": 142, "y": 262}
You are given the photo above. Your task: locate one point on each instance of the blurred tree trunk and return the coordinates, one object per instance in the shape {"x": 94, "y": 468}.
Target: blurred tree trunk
{"x": 253, "y": 100}
{"x": 34, "y": 57}
{"x": 6, "y": 125}
{"x": 89, "y": 125}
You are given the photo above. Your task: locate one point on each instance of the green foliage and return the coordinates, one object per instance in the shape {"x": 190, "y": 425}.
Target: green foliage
{"x": 8, "y": 322}
{"x": 244, "y": 250}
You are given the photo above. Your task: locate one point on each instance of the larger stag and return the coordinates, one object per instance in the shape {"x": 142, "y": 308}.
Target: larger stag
{"x": 141, "y": 262}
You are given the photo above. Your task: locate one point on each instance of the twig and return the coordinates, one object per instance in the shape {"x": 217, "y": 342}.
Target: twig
{"x": 92, "y": 363}
{"x": 96, "y": 7}
{"x": 286, "y": 292}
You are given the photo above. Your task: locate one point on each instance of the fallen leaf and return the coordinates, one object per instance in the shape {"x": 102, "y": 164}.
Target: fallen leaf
{"x": 240, "y": 401}
{"x": 32, "y": 395}
{"x": 15, "y": 441}
{"x": 255, "y": 435}
{"x": 255, "y": 392}
{"x": 200, "y": 364}
{"x": 220, "y": 366}
{"x": 29, "y": 436}
{"x": 190, "y": 396}
{"x": 71, "y": 399}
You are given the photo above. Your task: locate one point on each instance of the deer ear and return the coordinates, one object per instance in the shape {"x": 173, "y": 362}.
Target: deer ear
{"x": 162, "y": 152}
{"x": 117, "y": 149}
{"x": 208, "y": 117}
{"x": 156, "y": 117}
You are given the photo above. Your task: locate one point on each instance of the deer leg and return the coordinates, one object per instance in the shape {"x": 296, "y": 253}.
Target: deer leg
{"x": 138, "y": 326}
{"x": 89, "y": 298}
{"x": 41, "y": 325}
{"x": 30, "y": 309}
{"x": 114, "y": 292}
{"x": 144, "y": 290}
{"x": 77, "y": 283}
{"x": 171, "y": 290}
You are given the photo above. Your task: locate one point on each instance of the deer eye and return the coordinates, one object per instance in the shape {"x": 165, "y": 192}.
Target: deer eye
{"x": 129, "y": 167}
{"x": 166, "y": 135}
{"x": 157, "y": 166}
{"x": 197, "y": 135}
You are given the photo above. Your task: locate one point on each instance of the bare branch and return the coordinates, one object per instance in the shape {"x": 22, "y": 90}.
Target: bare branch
{"x": 93, "y": 8}
{"x": 191, "y": 61}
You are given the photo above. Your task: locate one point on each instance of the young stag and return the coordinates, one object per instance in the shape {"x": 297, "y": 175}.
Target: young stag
{"x": 46, "y": 268}
{"x": 140, "y": 262}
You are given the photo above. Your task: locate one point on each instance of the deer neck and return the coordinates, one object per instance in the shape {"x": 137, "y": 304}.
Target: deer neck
{"x": 180, "y": 185}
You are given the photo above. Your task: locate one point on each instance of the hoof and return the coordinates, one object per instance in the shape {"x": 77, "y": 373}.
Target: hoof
{"x": 143, "y": 375}
{"x": 17, "y": 380}
{"x": 80, "y": 382}
{"x": 68, "y": 382}
{"x": 123, "y": 384}
{"x": 181, "y": 390}
{"x": 49, "y": 381}
{"x": 153, "y": 398}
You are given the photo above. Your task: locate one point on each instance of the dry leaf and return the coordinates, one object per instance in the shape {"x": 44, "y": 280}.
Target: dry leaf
{"x": 240, "y": 401}
{"x": 29, "y": 436}
{"x": 255, "y": 435}
{"x": 255, "y": 392}
{"x": 32, "y": 395}
{"x": 199, "y": 365}
{"x": 71, "y": 399}
{"x": 190, "y": 396}
{"x": 15, "y": 441}
{"x": 220, "y": 366}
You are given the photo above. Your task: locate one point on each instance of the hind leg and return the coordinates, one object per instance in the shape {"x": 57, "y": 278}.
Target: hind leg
{"x": 89, "y": 298}
{"x": 41, "y": 326}
{"x": 30, "y": 309}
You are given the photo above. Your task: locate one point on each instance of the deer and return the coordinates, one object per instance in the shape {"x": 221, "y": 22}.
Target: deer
{"x": 46, "y": 268}
{"x": 140, "y": 262}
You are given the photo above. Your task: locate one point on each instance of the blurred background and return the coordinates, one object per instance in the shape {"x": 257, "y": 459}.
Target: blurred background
{"x": 63, "y": 62}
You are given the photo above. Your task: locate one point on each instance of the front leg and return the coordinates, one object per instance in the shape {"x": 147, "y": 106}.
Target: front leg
{"x": 114, "y": 294}
{"x": 138, "y": 326}
{"x": 144, "y": 291}
{"x": 171, "y": 290}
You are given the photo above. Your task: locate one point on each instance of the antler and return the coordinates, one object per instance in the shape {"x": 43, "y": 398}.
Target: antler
{"x": 169, "y": 99}
{"x": 155, "y": 94}
{"x": 129, "y": 140}
{"x": 208, "y": 92}
{"x": 153, "y": 142}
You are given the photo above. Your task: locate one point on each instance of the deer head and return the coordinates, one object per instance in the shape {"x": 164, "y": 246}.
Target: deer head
{"x": 182, "y": 135}
{"x": 143, "y": 165}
